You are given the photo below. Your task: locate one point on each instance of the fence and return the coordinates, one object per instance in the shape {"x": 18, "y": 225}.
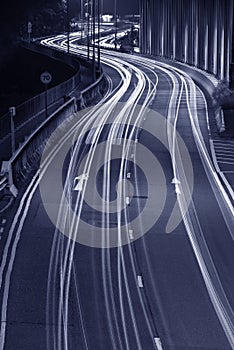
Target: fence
{"x": 17, "y": 168}
{"x": 32, "y": 109}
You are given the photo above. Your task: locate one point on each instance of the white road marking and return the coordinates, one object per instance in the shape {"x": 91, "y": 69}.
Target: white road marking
{"x": 131, "y": 234}
{"x": 177, "y": 189}
{"x": 128, "y": 200}
{"x": 175, "y": 181}
{"x": 140, "y": 282}
{"x": 158, "y": 343}
{"x": 80, "y": 182}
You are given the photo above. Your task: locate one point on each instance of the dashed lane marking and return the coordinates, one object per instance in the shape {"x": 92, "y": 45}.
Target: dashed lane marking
{"x": 131, "y": 234}
{"x": 140, "y": 282}
{"x": 158, "y": 343}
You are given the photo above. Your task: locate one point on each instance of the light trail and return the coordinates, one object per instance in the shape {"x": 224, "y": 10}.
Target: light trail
{"x": 62, "y": 253}
{"x": 183, "y": 206}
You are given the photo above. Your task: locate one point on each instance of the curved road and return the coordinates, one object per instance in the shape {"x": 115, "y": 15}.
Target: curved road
{"x": 146, "y": 258}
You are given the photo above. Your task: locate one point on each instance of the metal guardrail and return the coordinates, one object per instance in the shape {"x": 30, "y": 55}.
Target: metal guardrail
{"x": 219, "y": 117}
{"x": 3, "y": 183}
{"x": 16, "y": 169}
{"x": 32, "y": 107}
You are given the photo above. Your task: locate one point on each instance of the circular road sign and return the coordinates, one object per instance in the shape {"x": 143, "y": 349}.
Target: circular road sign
{"x": 46, "y": 78}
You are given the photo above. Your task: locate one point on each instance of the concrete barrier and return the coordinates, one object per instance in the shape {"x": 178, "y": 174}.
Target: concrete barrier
{"x": 16, "y": 169}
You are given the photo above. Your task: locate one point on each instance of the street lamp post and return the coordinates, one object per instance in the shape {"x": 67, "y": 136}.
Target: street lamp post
{"x": 93, "y": 37}
{"x": 115, "y": 14}
{"x": 12, "y": 112}
{"x": 82, "y": 16}
{"x": 68, "y": 26}
{"x": 99, "y": 15}
{"x": 87, "y": 15}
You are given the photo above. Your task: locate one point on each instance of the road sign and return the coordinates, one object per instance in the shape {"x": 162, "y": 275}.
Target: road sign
{"x": 46, "y": 78}
{"x": 12, "y": 111}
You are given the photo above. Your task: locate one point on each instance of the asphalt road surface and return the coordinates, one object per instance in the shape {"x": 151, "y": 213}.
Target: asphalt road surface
{"x": 124, "y": 238}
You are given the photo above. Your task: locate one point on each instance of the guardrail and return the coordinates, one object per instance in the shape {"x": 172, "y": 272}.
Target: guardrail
{"x": 28, "y": 111}
{"x": 3, "y": 184}
{"x": 219, "y": 118}
{"x": 16, "y": 169}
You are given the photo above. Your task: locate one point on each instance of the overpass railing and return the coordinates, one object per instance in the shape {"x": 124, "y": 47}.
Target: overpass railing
{"x": 30, "y": 113}
{"x": 27, "y": 112}
{"x": 15, "y": 170}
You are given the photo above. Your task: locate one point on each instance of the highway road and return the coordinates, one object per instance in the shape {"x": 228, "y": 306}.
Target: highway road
{"x": 123, "y": 239}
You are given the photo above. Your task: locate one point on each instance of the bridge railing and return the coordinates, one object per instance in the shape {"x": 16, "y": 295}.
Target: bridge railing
{"x": 30, "y": 113}
{"x": 16, "y": 170}
{"x": 27, "y": 111}
{"x": 18, "y": 167}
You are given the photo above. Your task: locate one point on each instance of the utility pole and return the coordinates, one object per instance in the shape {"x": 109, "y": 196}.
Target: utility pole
{"x": 82, "y": 17}
{"x": 99, "y": 18}
{"x": 87, "y": 14}
{"x": 29, "y": 31}
{"x": 232, "y": 50}
{"x": 115, "y": 15}
{"x": 68, "y": 26}
{"x": 12, "y": 112}
{"x": 93, "y": 37}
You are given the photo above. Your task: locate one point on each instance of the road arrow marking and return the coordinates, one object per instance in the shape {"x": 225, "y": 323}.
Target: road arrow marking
{"x": 175, "y": 181}
{"x": 158, "y": 343}
{"x": 80, "y": 182}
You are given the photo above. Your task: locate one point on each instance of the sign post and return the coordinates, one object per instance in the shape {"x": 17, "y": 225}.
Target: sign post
{"x": 46, "y": 79}
{"x": 29, "y": 31}
{"x": 12, "y": 112}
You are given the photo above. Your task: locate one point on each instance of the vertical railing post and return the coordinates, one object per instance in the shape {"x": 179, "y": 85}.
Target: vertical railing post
{"x": 12, "y": 112}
